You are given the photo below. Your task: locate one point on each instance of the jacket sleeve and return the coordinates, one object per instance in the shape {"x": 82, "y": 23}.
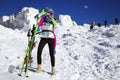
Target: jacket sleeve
{"x": 41, "y": 22}
{"x": 54, "y": 22}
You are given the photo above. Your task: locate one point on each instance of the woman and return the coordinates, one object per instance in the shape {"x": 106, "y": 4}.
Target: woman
{"x": 46, "y": 27}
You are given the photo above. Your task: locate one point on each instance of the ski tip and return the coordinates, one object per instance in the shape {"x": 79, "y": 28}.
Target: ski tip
{"x": 19, "y": 75}
{"x": 27, "y": 76}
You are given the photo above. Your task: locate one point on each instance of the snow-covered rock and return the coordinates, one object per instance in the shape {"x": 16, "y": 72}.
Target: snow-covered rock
{"x": 4, "y": 20}
{"x": 22, "y": 20}
{"x": 66, "y": 20}
{"x": 25, "y": 19}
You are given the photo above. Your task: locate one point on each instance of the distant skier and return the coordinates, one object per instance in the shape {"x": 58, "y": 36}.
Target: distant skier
{"x": 46, "y": 28}
{"x": 105, "y": 23}
{"x": 92, "y": 25}
{"x": 99, "y": 25}
{"x": 116, "y": 21}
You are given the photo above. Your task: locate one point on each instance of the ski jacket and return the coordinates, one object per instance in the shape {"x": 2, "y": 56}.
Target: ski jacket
{"x": 46, "y": 26}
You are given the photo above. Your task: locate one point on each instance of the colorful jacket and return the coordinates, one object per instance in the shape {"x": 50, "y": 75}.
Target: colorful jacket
{"x": 46, "y": 26}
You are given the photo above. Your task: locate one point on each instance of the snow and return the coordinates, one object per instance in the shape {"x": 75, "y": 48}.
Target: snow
{"x": 5, "y": 18}
{"x": 66, "y": 20}
{"x": 21, "y": 20}
{"x": 25, "y": 19}
{"x": 81, "y": 54}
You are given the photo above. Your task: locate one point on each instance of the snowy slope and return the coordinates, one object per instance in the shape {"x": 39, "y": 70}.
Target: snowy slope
{"x": 81, "y": 54}
{"x": 10, "y": 45}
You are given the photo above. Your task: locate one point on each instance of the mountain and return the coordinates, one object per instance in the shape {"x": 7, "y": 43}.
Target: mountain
{"x": 25, "y": 19}
{"x": 81, "y": 54}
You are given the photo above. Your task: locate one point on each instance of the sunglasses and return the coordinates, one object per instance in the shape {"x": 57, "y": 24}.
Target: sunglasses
{"x": 50, "y": 13}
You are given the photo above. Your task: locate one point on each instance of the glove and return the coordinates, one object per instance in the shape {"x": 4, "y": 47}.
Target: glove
{"x": 54, "y": 52}
{"x": 38, "y": 30}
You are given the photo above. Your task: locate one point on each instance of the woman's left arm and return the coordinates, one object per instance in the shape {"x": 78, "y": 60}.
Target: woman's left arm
{"x": 54, "y": 22}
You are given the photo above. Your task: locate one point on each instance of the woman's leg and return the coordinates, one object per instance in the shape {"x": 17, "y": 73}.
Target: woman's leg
{"x": 52, "y": 57}
{"x": 39, "y": 53}
{"x": 51, "y": 50}
{"x": 40, "y": 48}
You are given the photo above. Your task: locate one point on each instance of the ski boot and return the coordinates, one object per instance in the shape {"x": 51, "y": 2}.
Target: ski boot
{"x": 53, "y": 71}
{"x": 38, "y": 68}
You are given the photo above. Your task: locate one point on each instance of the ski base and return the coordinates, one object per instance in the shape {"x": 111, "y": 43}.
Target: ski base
{"x": 21, "y": 75}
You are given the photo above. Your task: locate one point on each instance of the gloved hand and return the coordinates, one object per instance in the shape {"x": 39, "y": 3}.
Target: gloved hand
{"x": 38, "y": 30}
{"x": 54, "y": 52}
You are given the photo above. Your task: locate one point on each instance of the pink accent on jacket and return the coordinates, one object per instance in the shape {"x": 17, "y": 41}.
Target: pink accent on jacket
{"x": 41, "y": 22}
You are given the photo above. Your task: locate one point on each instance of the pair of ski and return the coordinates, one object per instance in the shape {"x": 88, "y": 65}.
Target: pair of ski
{"x": 27, "y": 57}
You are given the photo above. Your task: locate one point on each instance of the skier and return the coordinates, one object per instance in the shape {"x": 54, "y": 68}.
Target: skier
{"x": 46, "y": 28}
{"x": 99, "y": 25}
{"x": 92, "y": 25}
{"x": 105, "y": 23}
{"x": 116, "y": 21}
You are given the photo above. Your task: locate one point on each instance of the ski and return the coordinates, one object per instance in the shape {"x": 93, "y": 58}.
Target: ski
{"x": 28, "y": 52}
{"x": 27, "y": 56}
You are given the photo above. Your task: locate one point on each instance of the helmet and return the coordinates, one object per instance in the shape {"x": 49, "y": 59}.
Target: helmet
{"x": 49, "y": 10}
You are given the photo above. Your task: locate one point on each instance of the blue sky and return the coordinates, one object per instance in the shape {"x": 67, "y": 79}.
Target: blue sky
{"x": 81, "y": 11}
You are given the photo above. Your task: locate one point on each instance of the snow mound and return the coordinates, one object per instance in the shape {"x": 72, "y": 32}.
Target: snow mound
{"x": 66, "y": 20}
{"x": 25, "y": 19}
{"x": 22, "y": 20}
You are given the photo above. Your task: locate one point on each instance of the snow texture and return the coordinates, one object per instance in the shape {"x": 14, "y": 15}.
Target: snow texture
{"x": 81, "y": 54}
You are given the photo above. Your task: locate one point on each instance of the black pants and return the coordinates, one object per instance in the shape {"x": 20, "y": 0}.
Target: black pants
{"x": 42, "y": 43}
